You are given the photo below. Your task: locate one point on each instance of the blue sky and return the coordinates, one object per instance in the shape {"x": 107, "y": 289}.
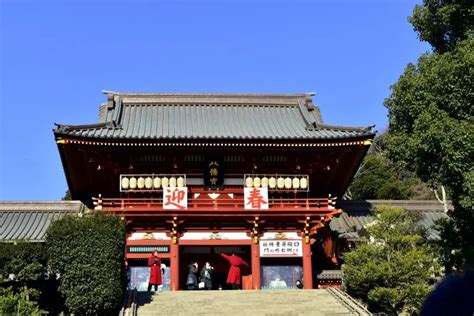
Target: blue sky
{"x": 57, "y": 56}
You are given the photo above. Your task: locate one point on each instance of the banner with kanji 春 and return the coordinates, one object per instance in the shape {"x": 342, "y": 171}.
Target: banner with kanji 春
{"x": 281, "y": 248}
{"x": 175, "y": 198}
{"x": 256, "y": 198}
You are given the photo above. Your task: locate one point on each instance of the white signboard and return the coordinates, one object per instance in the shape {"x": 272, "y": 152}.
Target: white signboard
{"x": 256, "y": 198}
{"x": 175, "y": 198}
{"x": 281, "y": 248}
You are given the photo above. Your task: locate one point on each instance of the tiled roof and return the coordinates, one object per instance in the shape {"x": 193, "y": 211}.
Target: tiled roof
{"x": 357, "y": 214}
{"x": 28, "y": 221}
{"x": 351, "y": 221}
{"x": 210, "y": 116}
{"x": 330, "y": 275}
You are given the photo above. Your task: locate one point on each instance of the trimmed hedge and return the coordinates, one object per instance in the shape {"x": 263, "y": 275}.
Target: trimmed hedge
{"x": 22, "y": 262}
{"x": 87, "y": 254}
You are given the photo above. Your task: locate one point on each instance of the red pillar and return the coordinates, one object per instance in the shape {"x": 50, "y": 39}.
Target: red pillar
{"x": 256, "y": 278}
{"x": 307, "y": 269}
{"x": 174, "y": 266}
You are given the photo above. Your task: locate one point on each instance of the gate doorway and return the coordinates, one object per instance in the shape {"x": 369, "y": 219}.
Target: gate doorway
{"x": 211, "y": 254}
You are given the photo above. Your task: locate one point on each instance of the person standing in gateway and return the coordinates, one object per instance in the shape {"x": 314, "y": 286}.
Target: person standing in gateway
{"x": 191, "y": 279}
{"x": 206, "y": 277}
{"x": 154, "y": 263}
{"x": 233, "y": 278}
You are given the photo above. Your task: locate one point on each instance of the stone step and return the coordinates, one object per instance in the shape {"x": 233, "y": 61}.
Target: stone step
{"x": 234, "y": 312}
{"x": 277, "y": 302}
{"x": 289, "y": 310}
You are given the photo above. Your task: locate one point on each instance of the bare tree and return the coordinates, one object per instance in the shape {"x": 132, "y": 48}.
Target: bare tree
{"x": 443, "y": 200}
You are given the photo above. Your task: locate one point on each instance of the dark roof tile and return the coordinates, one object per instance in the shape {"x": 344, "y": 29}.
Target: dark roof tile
{"x": 28, "y": 221}
{"x": 210, "y": 116}
{"x": 357, "y": 214}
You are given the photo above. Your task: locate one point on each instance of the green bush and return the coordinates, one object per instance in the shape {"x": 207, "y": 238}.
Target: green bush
{"x": 380, "y": 179}
{"x": 24, "y": 265}
{"x": 87, "y": 254}
{"x": 18, "y": 304}
{"x": 393, "y": 270}
{"x": 22, "y": 262}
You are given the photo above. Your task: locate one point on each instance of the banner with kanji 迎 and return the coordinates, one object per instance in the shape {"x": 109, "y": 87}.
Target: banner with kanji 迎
{"x": 175, "y": 198}
{"x": 256, "y": 198}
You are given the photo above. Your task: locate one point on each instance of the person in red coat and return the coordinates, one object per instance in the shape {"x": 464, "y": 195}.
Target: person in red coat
{"x": 233, "y": 278}
{"x": 154, "y": 263}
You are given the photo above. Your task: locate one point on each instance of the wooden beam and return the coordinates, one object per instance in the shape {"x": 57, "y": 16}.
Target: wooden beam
{"x": 255, "y": 262}
{"x": 307, "y": 265}
{"x": 174, "y": 266}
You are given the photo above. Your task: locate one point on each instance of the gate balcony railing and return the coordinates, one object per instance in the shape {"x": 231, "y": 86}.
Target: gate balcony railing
{"x": 203, "y": 204}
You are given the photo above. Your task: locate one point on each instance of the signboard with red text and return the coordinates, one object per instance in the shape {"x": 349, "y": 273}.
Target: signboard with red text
{"x": 256, "y": 198}
{"x": 175, "y": 198}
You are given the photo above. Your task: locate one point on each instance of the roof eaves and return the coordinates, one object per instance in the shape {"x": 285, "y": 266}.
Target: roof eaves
{"x": 61, "y": 128}
{"x": 339, "y": 138}
{"x": 409, "y": 205}
{"x": 14, "y": 241}
{"x": 319, "y": 126}
{"x": 42, "y": 206}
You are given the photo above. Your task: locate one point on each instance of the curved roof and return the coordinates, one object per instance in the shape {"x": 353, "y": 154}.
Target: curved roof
{"x": 210, "y": 116}
{"x": 358, "y": 214}
{"x": 28, "y": 221}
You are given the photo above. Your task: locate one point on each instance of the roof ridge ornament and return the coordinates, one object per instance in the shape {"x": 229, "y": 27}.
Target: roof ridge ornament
{"x": 304, "y": 109}
{"x": 65, "y": 128}
{"x": 315, "y": 126}
{"x": 197, "y": 94}
{"x": 295, "y": 116}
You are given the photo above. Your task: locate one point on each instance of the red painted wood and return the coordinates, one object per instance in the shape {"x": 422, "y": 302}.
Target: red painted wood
{"x": 174, "y": 267}
{"x": 255, "y": 261}
{"x": 145, "y": 255}
{"x": 221, "y": 242}
{"x": 223, "y": 204}
{"x": 307, "y": 269}
{"x": 232, "y": 213}
{"x": 197, "y": 230}
{"x": 148, "y": 242}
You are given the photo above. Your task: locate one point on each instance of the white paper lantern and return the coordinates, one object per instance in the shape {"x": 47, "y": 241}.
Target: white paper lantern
{"x": 125, "y": 183}
{"x": 172, "y": 182}
{"x": 157, "y": 183}
{"x": 304, "y": 183}
{"x": 180, "y": 182}
{"x": 256, "y": 182}
{"x": 280, "y": 183}
{"x": 133, "y": 183}
{"x": 264, "y": 182}
{"x": 296, "y": 183}
{"x": 164, "y": 182}
{"x": 288, "y": 183}
{"x": 272, "y": 182}
{"x": 148, "y": 183}
{"x": 141, "y": 183}
{"x": 249, "y": 182}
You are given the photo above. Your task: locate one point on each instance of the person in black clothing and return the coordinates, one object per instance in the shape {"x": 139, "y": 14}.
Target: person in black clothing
{"x": 191, "y": 279}
{"x": 299, "y": 284}
{"x": 206, "y": 276}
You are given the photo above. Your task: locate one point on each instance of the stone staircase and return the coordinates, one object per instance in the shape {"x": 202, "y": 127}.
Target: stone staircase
{"x": 276, "y": 302}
